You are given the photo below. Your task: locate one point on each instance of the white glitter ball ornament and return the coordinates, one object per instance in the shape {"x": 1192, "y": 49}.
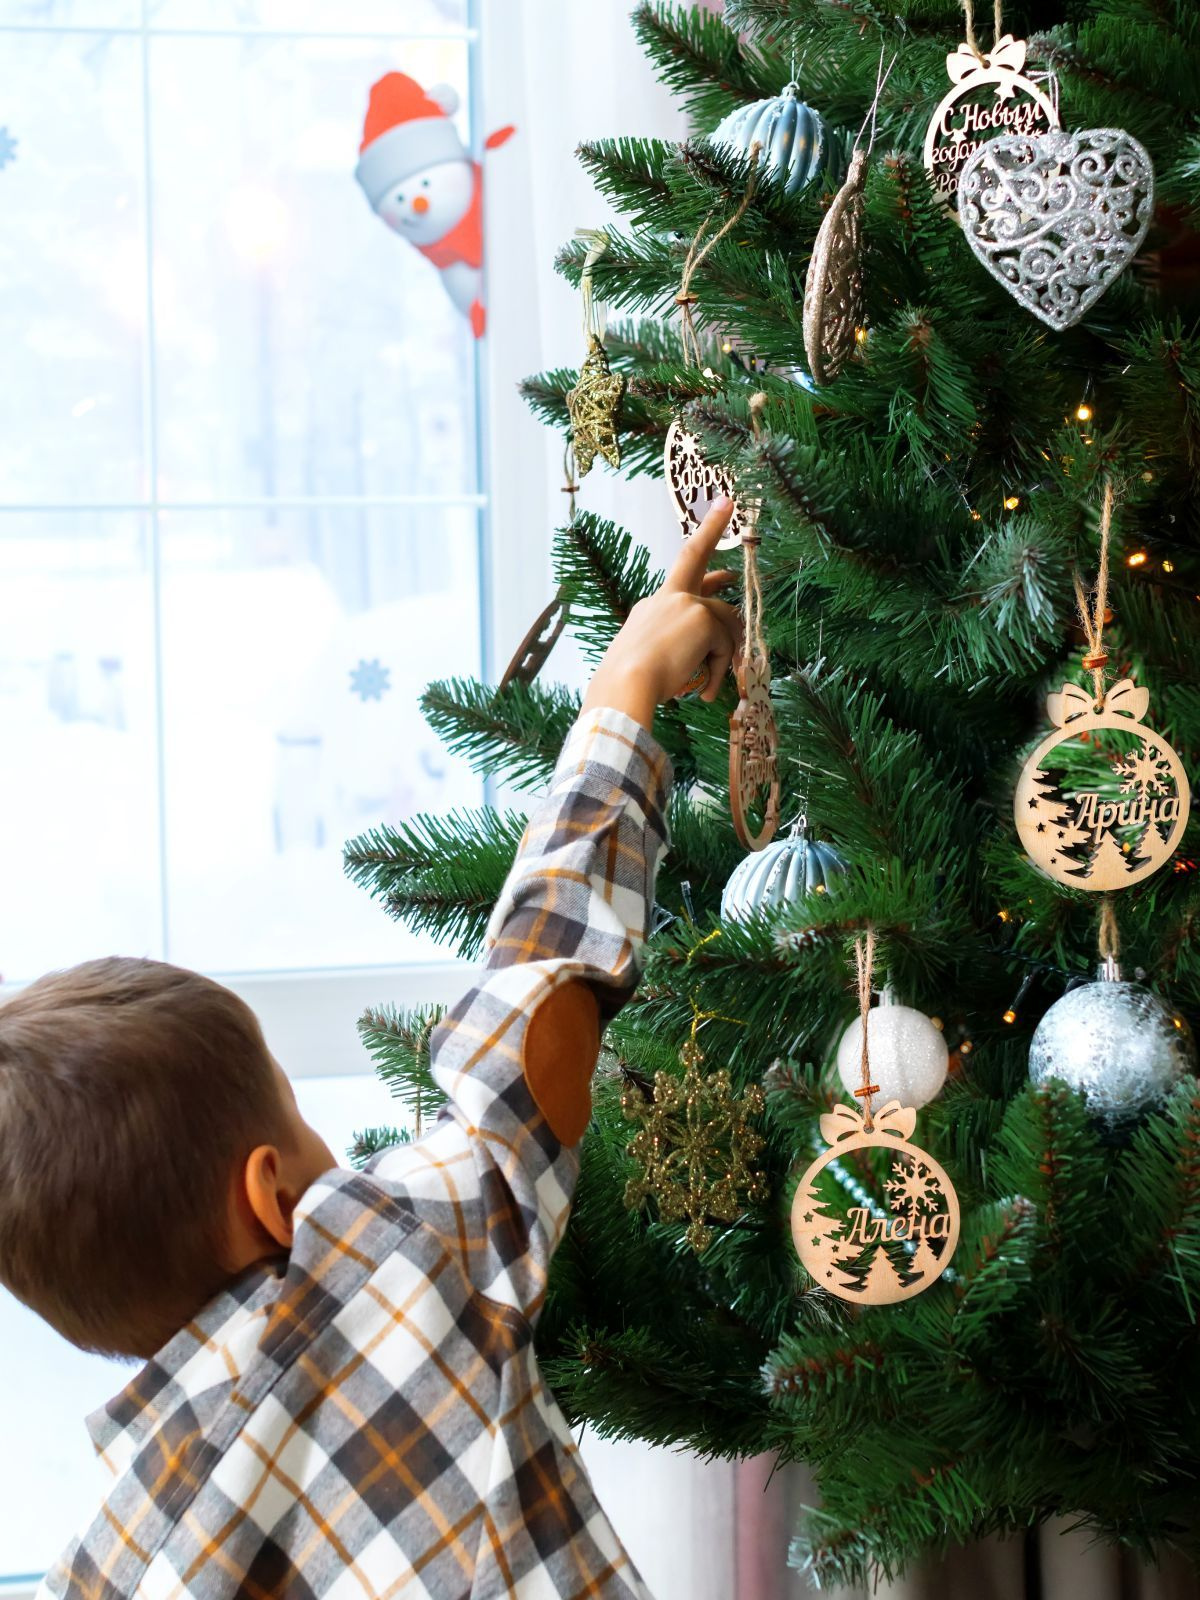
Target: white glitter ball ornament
{"x": 907, "y": 1054}
{"x": 1117, "y": 1044}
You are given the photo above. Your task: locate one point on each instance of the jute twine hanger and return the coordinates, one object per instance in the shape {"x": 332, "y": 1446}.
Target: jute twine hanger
{"x": 1093, "y": 610}
{"x": 997, "y": 27}
{"x": 864, "y": 962}
{"x": 753, "y": 734}
{"x": 753, "y": 642}
{"x": 697, "y": 251}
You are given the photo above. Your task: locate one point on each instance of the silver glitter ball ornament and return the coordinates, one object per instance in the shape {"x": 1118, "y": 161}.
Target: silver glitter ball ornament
{"x": 769, "y": 880}
{"x": 1117, "y": 1044}
{"x": 794, "y": 142}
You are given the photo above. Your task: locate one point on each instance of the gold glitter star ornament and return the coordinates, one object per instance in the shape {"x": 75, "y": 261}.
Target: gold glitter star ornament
{"x": 593, "y": 405}
{"x": 696, "y": 1148}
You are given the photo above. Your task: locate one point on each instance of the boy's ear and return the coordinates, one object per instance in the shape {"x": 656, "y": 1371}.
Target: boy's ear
{"x": 267, "y": 1195}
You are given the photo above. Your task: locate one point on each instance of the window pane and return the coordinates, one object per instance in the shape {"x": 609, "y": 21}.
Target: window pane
{"x": 78, "y": 814}
{"x": 50, "y": 1481}
{"x": 338, "y": 1108}
{"x": 72, "y": 262}
{"x": 303, "y": 348}
{"x": 296, "y": 646}
{"x": 363, "y": 16}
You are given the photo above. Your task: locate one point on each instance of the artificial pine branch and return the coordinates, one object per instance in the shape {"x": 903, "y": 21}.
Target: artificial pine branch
{"x": 399, "y": 1043}
{"x": 515, "y": 733}
{"x": 603, "y": 574}
{"x": 440, "y": 874}
{"x": 703, "y": 61}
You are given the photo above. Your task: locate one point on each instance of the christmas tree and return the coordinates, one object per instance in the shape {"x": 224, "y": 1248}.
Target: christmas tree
{"x": 923, "y": 518}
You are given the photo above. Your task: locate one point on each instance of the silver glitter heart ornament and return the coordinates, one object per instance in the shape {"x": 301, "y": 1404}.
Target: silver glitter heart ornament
{"x": 1056, "y": 216}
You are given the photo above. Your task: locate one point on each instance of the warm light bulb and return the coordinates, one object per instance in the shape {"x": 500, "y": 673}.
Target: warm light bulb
{"x": 1168, "y": 566}
{"x": 726, "y": 346}
{"x": 1011, "y": 502}
{"x": 860, "y": 335}
{"x": 1010, "y": 1015}
{"x": 965, "y": 1047}
{"x": 1083, "y": 412}
{"x": 977, "y": 516}
{"x": 1005, "y": 916}
{"x": 1137, "y": 559}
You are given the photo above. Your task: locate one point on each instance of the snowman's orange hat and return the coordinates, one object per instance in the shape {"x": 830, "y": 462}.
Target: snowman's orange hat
{"x": 407, "y": 129}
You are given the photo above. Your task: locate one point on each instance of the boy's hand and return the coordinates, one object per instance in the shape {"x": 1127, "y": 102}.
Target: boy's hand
{"x": 672, "y": 633}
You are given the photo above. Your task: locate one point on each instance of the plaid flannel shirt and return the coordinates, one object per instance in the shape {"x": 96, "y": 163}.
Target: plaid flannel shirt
{"x": 372, "y": 1423}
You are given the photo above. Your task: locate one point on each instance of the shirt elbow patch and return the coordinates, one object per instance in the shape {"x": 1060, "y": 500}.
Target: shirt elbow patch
{"x": 562, "y": 1042}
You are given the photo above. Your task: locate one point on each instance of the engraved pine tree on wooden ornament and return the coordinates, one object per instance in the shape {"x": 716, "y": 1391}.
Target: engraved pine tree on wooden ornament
{"x": 820, "y": 1224}
{"x": 1108, "y": 858}
{"x": 1052, "y": 812}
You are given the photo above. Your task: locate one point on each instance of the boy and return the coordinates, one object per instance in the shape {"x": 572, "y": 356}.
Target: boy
{"x": 345, "y": 1401}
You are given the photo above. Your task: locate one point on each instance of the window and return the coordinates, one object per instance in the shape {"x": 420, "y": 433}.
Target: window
{"x": 241, "y": 525}
{"x": 239, "y": 505}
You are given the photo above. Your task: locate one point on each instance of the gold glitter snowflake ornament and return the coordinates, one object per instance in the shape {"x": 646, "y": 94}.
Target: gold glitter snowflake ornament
{"x": 695, "y": 1147}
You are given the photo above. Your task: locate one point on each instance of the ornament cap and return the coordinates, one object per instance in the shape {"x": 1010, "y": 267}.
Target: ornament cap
{"x": 1109, "y": 970}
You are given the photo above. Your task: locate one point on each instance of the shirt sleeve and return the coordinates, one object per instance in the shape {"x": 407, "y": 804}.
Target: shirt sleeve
{"x": 515, "y": 1055}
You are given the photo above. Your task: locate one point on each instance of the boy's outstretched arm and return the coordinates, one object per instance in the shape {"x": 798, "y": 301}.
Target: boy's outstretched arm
{"x": 564, "y": 948}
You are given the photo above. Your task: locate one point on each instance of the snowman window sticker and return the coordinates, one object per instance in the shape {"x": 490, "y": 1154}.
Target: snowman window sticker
{"x": 421, "y": 180}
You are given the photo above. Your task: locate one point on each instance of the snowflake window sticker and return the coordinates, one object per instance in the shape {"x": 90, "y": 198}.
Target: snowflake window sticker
{"x": 8, "y": 148}
{"x": 370, "y": 680}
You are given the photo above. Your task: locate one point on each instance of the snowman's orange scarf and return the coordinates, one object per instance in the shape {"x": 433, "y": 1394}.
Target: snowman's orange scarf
{"x": 464, "y": 241}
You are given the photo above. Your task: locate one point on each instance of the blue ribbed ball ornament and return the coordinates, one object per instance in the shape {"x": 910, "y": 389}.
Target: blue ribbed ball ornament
{"x": 796, "y": 144}
{"x": 771, "y": 879}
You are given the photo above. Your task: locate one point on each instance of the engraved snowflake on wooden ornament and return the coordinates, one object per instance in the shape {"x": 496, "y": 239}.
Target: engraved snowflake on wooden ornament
{"x": 696, "y": 1148}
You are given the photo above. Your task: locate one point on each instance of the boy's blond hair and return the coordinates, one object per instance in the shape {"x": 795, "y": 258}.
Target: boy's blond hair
{"x": 130, "y": 1092}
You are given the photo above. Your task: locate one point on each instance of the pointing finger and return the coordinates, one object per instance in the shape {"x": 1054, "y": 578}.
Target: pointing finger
{"x": 713, "y": 582}
{"x": 692, "y": 560}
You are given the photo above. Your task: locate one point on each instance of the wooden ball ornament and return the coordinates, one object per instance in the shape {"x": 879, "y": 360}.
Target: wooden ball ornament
{"x": 695, "y": 483}
{"x": 990, "y": 95}
{"x": 889, "y": 1250}
{"x": 1092, "y": 828}
{"x": 754, "y": 754}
